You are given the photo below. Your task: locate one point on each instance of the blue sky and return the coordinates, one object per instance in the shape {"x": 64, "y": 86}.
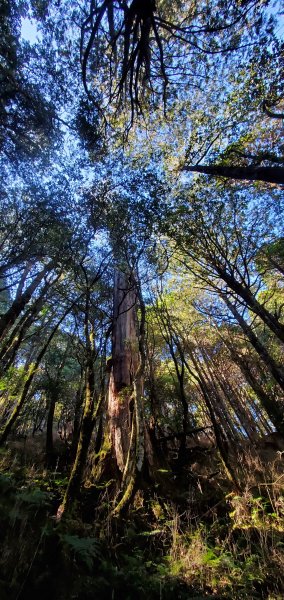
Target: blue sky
{"x": 29, "y": 31}
{"x": 31, "y": 34}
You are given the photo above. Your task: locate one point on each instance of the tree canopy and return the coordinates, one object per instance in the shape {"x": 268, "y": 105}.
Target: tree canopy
{"x": 141, "y": 297}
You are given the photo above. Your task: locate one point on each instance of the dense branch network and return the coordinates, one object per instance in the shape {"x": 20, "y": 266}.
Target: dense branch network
{"x": 140, "y": 43}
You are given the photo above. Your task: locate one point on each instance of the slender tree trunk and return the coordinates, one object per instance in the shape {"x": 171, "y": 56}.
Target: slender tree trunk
{"x": 78, "y": 415}
{"x": 9, "y": 318}
{"x": 11, "y": 345}
{"x": 268, "y": 403}
{"x": 273, "y": 368}
{"x": 88, "y": 419}
{"x": 52, "y": 399}
{"x": 231, "y": 398}
{"x": 222, "y": 444}
{"x": 218, "y": 399}
{"x": 152, "y": 392}
{"x": 245, "y": 293}
{"x": 172, "y": 341}
{"x": 22, "y": 281}
{"x": 29, "y": 379}
{"x": 240, "y": 410}
{"x": 181, "y": 392}
{"x": 83, "y": 445}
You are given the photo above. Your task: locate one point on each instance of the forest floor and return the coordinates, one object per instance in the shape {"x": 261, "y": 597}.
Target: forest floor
{"x": 200, "y": 540}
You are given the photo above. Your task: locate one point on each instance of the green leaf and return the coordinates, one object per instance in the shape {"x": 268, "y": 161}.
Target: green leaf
{"x": 85, "y": 550}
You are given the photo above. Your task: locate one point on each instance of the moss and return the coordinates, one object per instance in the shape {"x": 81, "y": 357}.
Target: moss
{"x": 126, "y": 498}
{"x": 99, "y": 459}
{"x": 125, "y": 394}
{"x": 157, "y": 510}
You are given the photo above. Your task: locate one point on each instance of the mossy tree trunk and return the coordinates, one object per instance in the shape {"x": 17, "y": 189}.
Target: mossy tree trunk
{"x": 126, "y": 405}
{"x": 92, "y": 397}
{"x": 125, "y": 360}
{"x": 87, "y": 422}
{"x": 122, "y": 455}
{"x": 87, "y": 425}
{"x": 78, "y": 414}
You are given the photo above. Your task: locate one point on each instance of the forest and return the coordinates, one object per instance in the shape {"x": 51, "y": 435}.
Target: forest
{"x": 141, "y": 300}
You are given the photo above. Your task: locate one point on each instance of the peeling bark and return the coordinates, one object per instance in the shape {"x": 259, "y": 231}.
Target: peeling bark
{"x": 125, "y": 361}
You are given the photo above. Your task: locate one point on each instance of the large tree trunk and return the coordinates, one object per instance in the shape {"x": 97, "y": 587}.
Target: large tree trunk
{"x": 269, "y": 174}
{"x": 122, "y": 452}
{"x": 126, "y": 430}
{"x": 125, "y": 361}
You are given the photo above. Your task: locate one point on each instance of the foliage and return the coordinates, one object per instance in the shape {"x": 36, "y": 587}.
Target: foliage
{"x": 141, "y": 305}
{"x": 85, "y": 550}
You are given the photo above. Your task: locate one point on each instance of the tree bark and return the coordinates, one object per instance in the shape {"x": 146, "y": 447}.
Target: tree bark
{"x": 222, "y": 443}
{"x": 87, "y": 423}
{"x": 78, "y": 415}
{"x": 52, "y": 399}
{"x": 29, "y": 379}
{"x": 83, "y": 445}
{"x": 136, "y": 444}
{"x": 9, "y": 318}
{"x": 268, "y": 174}
{"x": 11, "y": 346}
{"x": 267, "y": 402}
{"x": 245, "y": 293}
{"x": 273, "y": 368}
{"x": 125, "y": 361}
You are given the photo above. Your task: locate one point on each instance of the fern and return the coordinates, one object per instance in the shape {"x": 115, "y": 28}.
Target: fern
{"x": 6, "y": 484}
{"x": 33, "y": 499}
{"x": 85, "y": 550}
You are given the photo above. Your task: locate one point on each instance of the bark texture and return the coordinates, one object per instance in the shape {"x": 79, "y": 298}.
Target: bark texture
{"x": 125, "y": 361}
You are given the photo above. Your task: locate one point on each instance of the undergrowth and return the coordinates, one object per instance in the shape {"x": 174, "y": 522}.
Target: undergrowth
{"x": 214, "y": 544}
